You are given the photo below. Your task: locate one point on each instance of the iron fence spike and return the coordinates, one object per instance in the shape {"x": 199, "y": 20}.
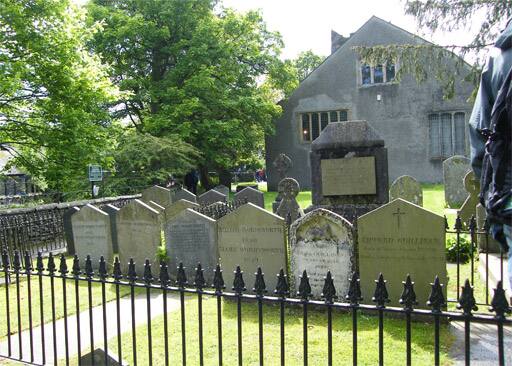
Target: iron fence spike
{"x": 282, "y": 284}
{"x": 259, "y": 283}
{"x": 381, "y": 296}
{"x": 436, "y": 299}
{"x": 218, "y": 280}
{"x": 238, "y": 281}
{"x": 181, "y": 277}
{"x": 408, "y": 297}
{"x": 329, "y": 291}
{"x": 63, "y": 266}
{"x": 304, "y": 287}
{"x": 354, "y": 290}
{"x": 199, "y": 281}
{"x": 467, "y": 300}
{"x": 147, "y": 276}
{"x": 499, "y": 303}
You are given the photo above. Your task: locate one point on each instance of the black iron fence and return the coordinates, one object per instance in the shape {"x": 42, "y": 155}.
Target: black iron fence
{"x": 32, "y": 345}
{"x": 42, "y": 228}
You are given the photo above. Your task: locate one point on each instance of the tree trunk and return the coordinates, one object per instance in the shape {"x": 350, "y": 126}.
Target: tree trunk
{"x": 204, "y": 177}
{"x": 225, "y": 177}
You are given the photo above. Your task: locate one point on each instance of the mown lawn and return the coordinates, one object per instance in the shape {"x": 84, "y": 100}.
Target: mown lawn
{"x": 394, "y": 337}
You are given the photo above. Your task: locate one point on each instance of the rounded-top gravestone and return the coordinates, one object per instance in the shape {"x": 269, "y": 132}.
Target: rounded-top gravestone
{"x": 454, "y": 171}
{"x": 407, "y": 188}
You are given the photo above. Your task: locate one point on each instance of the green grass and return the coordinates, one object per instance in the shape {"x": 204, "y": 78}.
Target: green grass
{"x": 394, "y": 337}
{"x": 59, "y": 300}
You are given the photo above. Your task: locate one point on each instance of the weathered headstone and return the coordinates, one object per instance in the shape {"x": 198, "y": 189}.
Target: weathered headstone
{"x": 178, "y": 206}
{"x": 222, "y": 189}
{"x": 250, "y": 237}
{"x": 454, "y": 171}
{"x": 486, "y": 243}
{"x": 211, "y": 196}
{"x": 68, "y": 229}
{"x": 349, "y": 169}
{"x": 397, "y": 239}
{"x": 183, "y": 194}
{"x": 138, "y": 232}
{"x": 282, "y": 164}
{"x": 322, "y": 241}
{"x": 156, "y": 206}
{"x": 97, "y": 357}
{"x": 468, "y": 208}
{"x": 251, "y": 195}
{"x": 406, "y": 188}
{"x": 289, "y": 188}
{"x": 157, "y": 194}
{"x": 112, "y": 210}
{"x": 92, "y": 236}
{"x": 190, "y": 238}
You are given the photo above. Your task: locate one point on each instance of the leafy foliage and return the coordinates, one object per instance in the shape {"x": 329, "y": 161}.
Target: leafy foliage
{"x": 53, "y": 93}
{"x": 464, "y": 250}
{"x": 306, "y": 62}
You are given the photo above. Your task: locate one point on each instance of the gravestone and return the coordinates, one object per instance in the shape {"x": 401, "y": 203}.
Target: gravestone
{"x": 454, "y": 171}
{"x": 156, "y": 206}
{"x": 288, "y": 189}
{"x": 222, "y": 189}
{"x": 190, "y": 238}
{"x": 349, "y": 169}
{"x": 322, "y": 241}
{"x": 397, "y": 239}
{"x": 112, "y": 210}
{"x": 157, "y": 194}
{"x": 91, "y": 233}
{"x": 251, "y": 195}
{"x": 406, "y": 188}
{"x": 68, "y": 229}
{"x": 175, "y": 208}
{"x": 250, "y": 237}
{"x": 138, "y": 232}
{"x": 486, "y": 243}
{"x": 282, "y": 164}
{"x": 210, "y": 197}
{"x": 97, "y": 357}
{"x": 183, "y": 194}
{"x": 468, "y": 208}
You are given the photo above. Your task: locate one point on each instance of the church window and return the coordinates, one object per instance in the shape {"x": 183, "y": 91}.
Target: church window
{"x": 447, "y": 134}
{"x": 314, "y": 123}
{"x": 366, "y": 75}
{"x": 390, "y": 72}
{"x": 377, "y": 74}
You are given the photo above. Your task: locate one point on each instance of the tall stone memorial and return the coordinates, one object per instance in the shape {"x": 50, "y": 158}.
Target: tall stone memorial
{"x": 322, "y": 241}
{"x": 138, "y": 232}
{"x": 160, "y": 195}
{"x": 454, "y": 171}
{"x": 250, "y": 237}
{"x": 397, "y": 239}
{"x": 288, "y": 189}
{"x": 92, "y": 235}
{"x": 406, "y": 188}
{"x": 349, "y": 169}
{"x": 190, "y": 238}
{"x": 282, "y": 164}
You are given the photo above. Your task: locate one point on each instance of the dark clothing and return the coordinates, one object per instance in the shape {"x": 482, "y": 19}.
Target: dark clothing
{"x": 191, "y": 180}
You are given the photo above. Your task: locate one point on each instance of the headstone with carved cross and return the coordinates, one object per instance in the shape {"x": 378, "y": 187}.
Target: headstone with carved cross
{"x": 282, "y": 164}
{"x": 397, "y": 239}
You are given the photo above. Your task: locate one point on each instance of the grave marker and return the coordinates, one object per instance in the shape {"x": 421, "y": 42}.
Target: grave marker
{"x": 112, "y": 210}
{"x": 222, "y": 189}
{"x": 176, "y": 207}
{"x": 157, "y": 194}
{"x": 210, "y": 197}
{"x": 406, "y": 188}
{"x": 184, "y": 194}
{"x": 251, "y": 195}
{"x": 68, "y": 229}
{"x": 454, "y": 171}
{"x": 289, "y": 207}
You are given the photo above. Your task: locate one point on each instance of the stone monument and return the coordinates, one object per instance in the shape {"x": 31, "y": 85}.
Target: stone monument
{"x": 407, "y": 188}
{"x": 322, "y": 241}
{"x": 112, "y": 210}
{"x": 288, "y": 189}
{"x": 349, "y": 169}
{"x": 282, "y": 164}
{"x": 191, "y": 238}
{"x": 157, "y": 194}
{"x": 397, "y": 239}
{"x": 222, "y": 189}
{"x": 251, "y": 195}
{"x": 454, "y": 171}
{"x": 183, "y": 194}
{"x": 177, "y": 206}
{"x": 250, "y": 237}
{"x": 468, "y": 208}
{"x": 211, "y": 196}
{"x": 92, "y": 236}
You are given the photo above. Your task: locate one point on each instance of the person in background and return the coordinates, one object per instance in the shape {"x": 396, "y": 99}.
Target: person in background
{"x": 490, "y": 135}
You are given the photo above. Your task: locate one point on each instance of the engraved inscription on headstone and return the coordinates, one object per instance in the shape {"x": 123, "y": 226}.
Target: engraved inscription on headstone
{"x": 250, "y": 237}
{"x": 139, "y": 234}
{"x": 348, "y": 176}
{"x": 322, "y": 241}
{"x": 92, "y": 236}
{"x": 191, "y": 237}
{"x": 397, "y": 239}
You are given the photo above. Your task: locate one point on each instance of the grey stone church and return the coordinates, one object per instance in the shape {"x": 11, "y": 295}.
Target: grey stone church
{"x": 420, "y": 128}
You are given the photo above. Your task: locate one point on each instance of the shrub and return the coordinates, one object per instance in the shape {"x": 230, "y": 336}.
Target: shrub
{"x": 464, "y": 249}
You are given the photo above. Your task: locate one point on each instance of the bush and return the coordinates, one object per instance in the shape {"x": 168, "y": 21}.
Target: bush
{"x": 464, "y": 249}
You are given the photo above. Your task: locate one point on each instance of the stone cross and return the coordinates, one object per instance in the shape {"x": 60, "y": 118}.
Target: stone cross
{"x": 282, "y": 164}
{"x": 288, "y": 189}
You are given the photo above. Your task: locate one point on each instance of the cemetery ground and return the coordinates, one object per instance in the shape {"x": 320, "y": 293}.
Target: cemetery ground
{"x": 368, "y": 330}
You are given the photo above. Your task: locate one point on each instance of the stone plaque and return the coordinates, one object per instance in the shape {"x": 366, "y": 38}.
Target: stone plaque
{"x": 454, "y": 171}
{"x": 68, "y": 229}
{"x": 157, "y": 194}
{"x": 190, "y": 238}
{"x": 348, "y": 176}
{"x": 112, "y": 210}
{"x": 322, "y": 241}
{"x": 406, "y": 188}
{"x": 91, "y": 233}
{"x": 250, "y": 237}
{"x": 251, "y": 195}
{"x": 397, "y": 239}
{"x": 210, "y": 197}
{"x": 139, "y": 235}
{"x": 183, "y": 194}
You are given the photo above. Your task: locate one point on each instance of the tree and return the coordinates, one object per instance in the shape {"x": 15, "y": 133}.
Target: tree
{"x": 306, "y": 62}
{"x": 192, "y": 70}
{"x": 53, "y": 93}
{"x": 424, "y": 59}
